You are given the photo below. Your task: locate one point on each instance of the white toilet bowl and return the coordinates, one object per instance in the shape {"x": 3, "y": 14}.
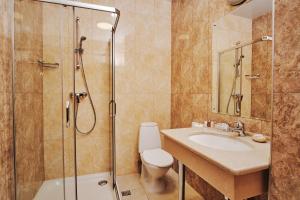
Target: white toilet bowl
{"x": 155, "y": 161}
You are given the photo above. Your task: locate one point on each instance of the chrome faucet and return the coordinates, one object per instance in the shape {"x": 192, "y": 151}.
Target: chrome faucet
{"x": 239, "y": 127}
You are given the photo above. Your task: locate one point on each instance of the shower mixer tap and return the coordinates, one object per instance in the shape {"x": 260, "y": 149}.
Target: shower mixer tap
{"x": 79, "y": 96}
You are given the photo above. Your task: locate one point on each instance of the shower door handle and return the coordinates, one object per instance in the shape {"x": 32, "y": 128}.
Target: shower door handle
{"x": 112, "y": 108}
{"x": 67, "y": 114}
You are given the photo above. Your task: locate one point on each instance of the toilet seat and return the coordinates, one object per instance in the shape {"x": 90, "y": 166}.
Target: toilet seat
{"x": 157, "y": 157}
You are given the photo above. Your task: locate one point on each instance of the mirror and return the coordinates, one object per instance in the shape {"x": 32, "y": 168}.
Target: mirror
{"x": 242, "y": 61}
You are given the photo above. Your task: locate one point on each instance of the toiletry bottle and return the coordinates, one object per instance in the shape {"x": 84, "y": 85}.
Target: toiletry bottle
{"x": 208, "y": 123}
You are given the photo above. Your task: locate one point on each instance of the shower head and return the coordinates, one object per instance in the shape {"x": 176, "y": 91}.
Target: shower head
{"x": 82, "y": 38}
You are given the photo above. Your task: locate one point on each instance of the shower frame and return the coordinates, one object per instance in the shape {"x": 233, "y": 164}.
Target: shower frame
{"x": 112, "y": 103}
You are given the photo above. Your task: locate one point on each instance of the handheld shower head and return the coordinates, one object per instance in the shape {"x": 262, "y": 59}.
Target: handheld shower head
{"x": 82, "y": 38}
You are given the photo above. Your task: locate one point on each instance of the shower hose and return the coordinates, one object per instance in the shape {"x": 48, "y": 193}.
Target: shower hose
{"x": 90, "y": 100}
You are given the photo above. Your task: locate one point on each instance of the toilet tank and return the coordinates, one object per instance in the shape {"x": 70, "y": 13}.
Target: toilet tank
{"x": 149, "y": 137}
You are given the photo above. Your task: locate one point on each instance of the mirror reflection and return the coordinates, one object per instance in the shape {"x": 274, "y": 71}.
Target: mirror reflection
{"x": 242, "y": 61}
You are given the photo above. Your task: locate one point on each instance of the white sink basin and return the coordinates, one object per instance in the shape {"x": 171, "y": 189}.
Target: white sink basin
{"x": 220, "y": 142}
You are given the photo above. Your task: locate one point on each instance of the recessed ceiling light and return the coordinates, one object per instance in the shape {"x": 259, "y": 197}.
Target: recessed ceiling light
{"x": 104, "y": 25}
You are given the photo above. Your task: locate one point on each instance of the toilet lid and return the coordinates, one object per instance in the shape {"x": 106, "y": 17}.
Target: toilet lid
{"x": 158, "y": 157}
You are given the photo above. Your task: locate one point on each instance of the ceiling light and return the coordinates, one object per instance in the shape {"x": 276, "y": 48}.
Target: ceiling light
{"x": 104, "y": 25}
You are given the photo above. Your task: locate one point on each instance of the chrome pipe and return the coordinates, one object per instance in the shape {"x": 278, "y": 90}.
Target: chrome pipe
{"x": 263, "y": 38}
{"x": 117, "y": 20}
{"x": 89, "y": 6}
{"x": 81, "y": 5}
{"x": 113, "y": 110}
{"x": 75, "y": 39}
{"x": 181, "y": 181}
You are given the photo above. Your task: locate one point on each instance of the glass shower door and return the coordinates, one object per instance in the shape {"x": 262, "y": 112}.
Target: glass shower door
{"x": 43, "y": 145}
{"x": 63, "y": 87}
{"x": 92, "y": 130}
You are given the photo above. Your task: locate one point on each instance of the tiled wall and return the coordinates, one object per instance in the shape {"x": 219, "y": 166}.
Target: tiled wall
{"x": 285, "y": 172}
{"x": 143, "y": 74}
{"x": 28, "y": 98}
{"x": 6, "y": 131}
{"x": 261, "y": 89}
{"x": 191, "y": 73}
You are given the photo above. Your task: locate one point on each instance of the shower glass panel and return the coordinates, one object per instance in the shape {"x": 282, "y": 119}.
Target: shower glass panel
{"x": 44, "y": 147}
{"x": 63, "y": 102}
{"x": 229, "y": 80}
{"x": 92, "y": 79}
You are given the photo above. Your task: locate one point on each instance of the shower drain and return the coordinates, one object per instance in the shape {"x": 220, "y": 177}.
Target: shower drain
{"x": 126, "y": 193}
{"x": 102, "y": 182}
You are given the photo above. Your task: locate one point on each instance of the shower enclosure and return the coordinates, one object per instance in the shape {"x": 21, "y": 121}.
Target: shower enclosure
{"x": 64, "y": 100}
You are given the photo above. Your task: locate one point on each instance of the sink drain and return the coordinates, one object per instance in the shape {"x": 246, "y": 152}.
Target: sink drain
{"x": 102, "y": 182}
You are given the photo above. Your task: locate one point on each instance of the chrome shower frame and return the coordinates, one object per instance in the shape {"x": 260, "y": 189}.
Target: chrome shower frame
{"x": 236, "y": 48}
{"x": 77, "y": 4}
{"x": 112, "y": 103}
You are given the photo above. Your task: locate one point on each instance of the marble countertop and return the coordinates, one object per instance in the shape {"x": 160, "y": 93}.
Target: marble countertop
{"x": 236, "y": 162}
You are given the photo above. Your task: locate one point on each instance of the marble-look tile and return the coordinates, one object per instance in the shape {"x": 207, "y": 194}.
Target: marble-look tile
{"x": 53, "y": 159}
{"x": 6, "y": 125}
{"x": 176, "y": 64}
{"x": 259, "y": 105}
{"x": 200, "y": 78}
{"x": 186, "y": 110}
{"x": 5, "y": 110}
{"x": 200, "y": 108}
{"x": 6, "y": 149}
{"x": 285, "y": 149}
{"x": 286, "y": 114}
{"x": 162, "y": 110}
{"x": 286, "y": 80}
{"x": 285, "y": 138}
{"x": 5, "y": 66}
{"x": 187, "y": 76}
{"x": 96, "y": 157}
{"x": 266, "y": 127}
{"x": 175, "y": 111}
{"x": 125, "y": 6}
{"x": 287, "y": 34}
{"x": 28, "y": 99}
{"x": 29, "y": 138}
{"x": 287, "y": 47}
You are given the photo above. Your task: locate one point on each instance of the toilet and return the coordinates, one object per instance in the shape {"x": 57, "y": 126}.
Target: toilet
{"x": 155, "y": 161}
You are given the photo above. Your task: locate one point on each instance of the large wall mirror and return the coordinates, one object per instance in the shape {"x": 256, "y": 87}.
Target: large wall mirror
{"x": 242, "y": 61}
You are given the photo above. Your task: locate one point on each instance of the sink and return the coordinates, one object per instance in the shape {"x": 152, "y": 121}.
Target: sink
{"x": 220, "y": 142}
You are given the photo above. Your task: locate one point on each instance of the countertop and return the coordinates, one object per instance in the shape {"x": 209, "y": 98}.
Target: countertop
{"x": 236, "y": 162}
